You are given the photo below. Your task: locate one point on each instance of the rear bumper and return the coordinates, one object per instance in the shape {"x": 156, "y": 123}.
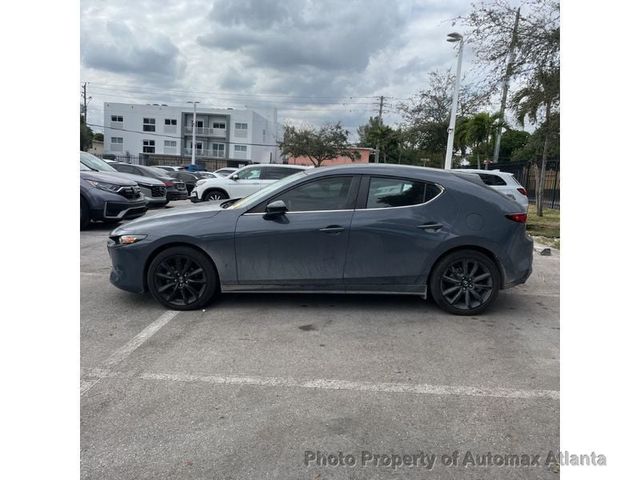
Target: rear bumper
{"x": 177, "y": 195}
{"x": 518, "y": 265}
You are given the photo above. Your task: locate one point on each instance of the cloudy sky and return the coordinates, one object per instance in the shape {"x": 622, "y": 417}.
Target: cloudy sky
{"x": 316, "y": 61}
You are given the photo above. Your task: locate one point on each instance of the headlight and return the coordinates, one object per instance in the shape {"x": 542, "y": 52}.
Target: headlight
{"x": 200, "y": 182}
{"x": 129, "y": 239}
{"x": 109, "y": 187}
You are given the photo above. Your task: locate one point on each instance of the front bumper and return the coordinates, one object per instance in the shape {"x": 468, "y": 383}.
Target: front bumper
{"x": 117, "y": 210}
{"x": 193, "y": 196}
{"x": 127, "y": 266}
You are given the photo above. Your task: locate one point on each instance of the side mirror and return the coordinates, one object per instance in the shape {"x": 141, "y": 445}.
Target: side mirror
{"x": 276, "y": 208}
{"x": 234, "y": 177}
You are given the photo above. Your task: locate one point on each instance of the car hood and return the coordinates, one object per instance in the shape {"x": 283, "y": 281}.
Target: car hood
{"x": 138, "y": 178}
{"x": 107, "y": 178}
{"x": 172, "y": 221}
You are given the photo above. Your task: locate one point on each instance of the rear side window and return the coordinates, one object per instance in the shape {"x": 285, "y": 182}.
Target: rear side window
{"x": 398, "y": 192}
{"x": 276, "y": 173}
{"x": 492, "y": 180}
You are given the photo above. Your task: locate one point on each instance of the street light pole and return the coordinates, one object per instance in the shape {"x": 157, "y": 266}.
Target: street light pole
{"x": 193, "y": 134}
{"x": 454, "y": 37}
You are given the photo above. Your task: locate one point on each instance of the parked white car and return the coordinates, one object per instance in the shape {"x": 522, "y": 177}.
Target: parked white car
{"x": 243, "y": 182}
{"x": 504, "y": 182}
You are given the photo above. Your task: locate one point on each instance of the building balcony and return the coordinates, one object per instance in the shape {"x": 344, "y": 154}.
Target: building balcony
{"x": 205, "y": 153}
{"x": 206, "y": 131}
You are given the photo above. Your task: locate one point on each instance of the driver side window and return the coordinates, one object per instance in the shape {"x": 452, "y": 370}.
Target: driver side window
{"x": 249, "y": 174}
{"x": 324, "y": 194}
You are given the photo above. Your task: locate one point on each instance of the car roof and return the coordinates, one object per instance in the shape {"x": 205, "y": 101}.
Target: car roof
{"x": 277, "y": 165}
{"x": 480, "y": 170}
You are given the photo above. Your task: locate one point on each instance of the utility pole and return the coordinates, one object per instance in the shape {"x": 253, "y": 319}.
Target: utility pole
{"x": 84, "y": 101}
{"x": 505, "y": 85}
{"x": 453, "y": 38}
{"x": 380, "y": 129}
{"x": 193, "y": 134}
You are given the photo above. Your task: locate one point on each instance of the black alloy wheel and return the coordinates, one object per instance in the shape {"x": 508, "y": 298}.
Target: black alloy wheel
{"x": 182, "y": 278}
{"x": 465, "y": 282}
{"x": 215, "y": 195}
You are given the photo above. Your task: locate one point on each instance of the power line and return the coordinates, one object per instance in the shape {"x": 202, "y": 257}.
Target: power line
{"x": 223, "y": 93}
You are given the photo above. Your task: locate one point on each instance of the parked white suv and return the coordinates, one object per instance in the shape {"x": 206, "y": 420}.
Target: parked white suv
{"x": 504, "y": 182}
{"x": 243, "y": 182}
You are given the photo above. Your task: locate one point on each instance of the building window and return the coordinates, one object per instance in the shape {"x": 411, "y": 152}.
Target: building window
{"x": 240, "y": 129}
{"x": 240, "y": 148}
{"x": 241, "y": 126}
{"x": 217, "y": 150}
{"x": 116, "y": 144}
{"x": 219, "y": 125}
{"x": 199, "y": 124}
{"x": 149, "y": 124}
{"x": 170, "y": 146}
{"x": 148, "y": 146}
{"x": 116, "y": 118}
{"x": 170, "y": 121}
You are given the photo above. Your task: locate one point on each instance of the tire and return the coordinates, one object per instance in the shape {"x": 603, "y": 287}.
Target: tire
{"x": 85, "y": 218}
{"x": 215, "y": 194}
{"x": 182, "y": 278}
{"x": 465, "y": 282}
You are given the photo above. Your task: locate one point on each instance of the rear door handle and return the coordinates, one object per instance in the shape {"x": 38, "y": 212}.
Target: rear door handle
{"x": 332, "y": 229}
{"x": 430, "y": 227}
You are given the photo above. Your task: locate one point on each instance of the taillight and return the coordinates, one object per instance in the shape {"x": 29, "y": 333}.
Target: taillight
{"x": 169, "y": 184}
{"x": 523, "y": 191}
{"x": 517, "y": 217}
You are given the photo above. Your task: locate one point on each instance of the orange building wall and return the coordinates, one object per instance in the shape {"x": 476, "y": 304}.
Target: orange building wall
{"x": 365, "y": 154}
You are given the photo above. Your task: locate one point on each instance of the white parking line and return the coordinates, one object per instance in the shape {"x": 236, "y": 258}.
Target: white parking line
{"x": 127, "y": 349}
{"x": 328, "y": 384}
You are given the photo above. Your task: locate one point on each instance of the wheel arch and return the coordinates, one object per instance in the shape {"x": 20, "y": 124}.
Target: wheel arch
{"x": 492, "y": 256}
{"x": 211, "y": 189}
{"x": 166, "y": 246}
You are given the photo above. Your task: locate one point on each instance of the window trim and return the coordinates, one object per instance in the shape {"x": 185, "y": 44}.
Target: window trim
{"x": 363, "y": 193}
{"x": 352, "y": 195}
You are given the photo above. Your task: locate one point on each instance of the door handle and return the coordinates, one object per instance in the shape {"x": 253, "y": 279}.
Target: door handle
{"x": 430, "y": 227}
{"x": 332, "y": 229}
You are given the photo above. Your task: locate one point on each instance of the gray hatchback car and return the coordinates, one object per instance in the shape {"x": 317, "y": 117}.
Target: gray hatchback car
{"x": 344, "y": 229}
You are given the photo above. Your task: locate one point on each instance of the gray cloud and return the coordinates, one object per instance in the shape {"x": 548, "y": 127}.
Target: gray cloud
{"x": 114, "y": 47}
{"x": 332, "y": 35}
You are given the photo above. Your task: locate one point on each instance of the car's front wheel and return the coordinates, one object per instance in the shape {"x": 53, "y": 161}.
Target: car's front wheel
{"x": 465, "y": 282}
{"x": 182, "y": 278}
{"x": 215, "y": 195}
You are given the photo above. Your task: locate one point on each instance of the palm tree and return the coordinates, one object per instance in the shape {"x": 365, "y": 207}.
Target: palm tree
{"x": 477, "y": 132}
{"x": 541, "y": 96}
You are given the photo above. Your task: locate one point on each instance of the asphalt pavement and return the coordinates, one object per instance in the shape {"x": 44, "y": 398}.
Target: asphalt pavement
{"x": 316, "y": 386}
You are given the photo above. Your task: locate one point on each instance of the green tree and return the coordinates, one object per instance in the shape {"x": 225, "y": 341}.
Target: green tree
{"x": 318, "y": 145}
{"x": 426, "y": 116}
{"x": 86, "y": 135}
{"x": 375, "y": 133}
{"x": 537, "y": 102}
{"x": 99, "y": 136}
{"x": 477, "y": 132}
{"x": 512, "y": 142}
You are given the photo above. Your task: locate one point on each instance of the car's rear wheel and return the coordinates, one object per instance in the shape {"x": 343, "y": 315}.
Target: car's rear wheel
{"x": 215, "y": 195}
{"x": 182, "y": 278}
{"x": 85, "y": 218}
{"x": 465, "y": 282}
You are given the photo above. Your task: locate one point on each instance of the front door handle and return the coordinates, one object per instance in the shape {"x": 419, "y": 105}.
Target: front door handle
{"x": 430, "y": 227}
{"x": 332, "y": 229}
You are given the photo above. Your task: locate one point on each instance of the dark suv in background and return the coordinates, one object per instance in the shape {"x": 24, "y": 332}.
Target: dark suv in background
{"x": 108, "y": 198}
{"x": 154, "y": 191}
{"x": 176, "y": 189}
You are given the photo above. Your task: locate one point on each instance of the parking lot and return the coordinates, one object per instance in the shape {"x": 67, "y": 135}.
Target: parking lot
{"x": 244, "y": 388}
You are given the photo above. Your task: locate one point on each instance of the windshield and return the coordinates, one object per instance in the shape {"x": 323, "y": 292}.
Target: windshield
{"x": 95, "y": 163}
{"x": 157, "y": 171}
{"x": 266, "y": 192}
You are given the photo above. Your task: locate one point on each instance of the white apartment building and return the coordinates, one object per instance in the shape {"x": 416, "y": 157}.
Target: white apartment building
{"x": 247, "y": 136}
